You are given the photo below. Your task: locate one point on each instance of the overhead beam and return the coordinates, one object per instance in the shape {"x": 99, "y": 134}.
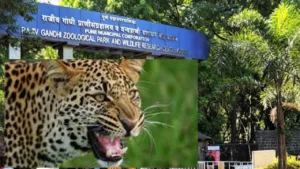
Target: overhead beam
{"x": 128, "y": 53}
{"x": 116, "y": 52}
{"x": 58, "y": 44}
{"x": 104, "y": 50}
{"x": 2, "y": 36}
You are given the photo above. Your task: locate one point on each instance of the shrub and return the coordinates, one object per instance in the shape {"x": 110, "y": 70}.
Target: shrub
{"x": 291, "y": 163}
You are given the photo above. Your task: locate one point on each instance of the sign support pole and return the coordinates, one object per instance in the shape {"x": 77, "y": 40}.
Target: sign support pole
{"x": 14, "y": 52}
{"x": 65, "y": 52}
{"x": 149, "y": 57}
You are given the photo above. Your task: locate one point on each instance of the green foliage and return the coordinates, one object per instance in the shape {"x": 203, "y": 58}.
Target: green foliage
{"x": 9, "y": 10}
{"x": 281, "y": 67}
{"x": 291, "y": 163}
{"x": 284, "y": 21}
{"x": 174, "y": 138}
{"x": 78, "y": 4}
{"x": 12, "y": 8}
{"x": 210, "y": 17}
{"x": 249, "y": 25}
{"x": 3, "y": 56}
{"x": 31, "y": 47}
{"x": 47, "y": 53}
{"x": 251, "y": 54}
{"x": 1, "y": 99}
{"x": 168, "y": 11}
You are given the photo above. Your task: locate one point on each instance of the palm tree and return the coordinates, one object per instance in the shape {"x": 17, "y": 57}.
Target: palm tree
{"x": 282, "y": 66}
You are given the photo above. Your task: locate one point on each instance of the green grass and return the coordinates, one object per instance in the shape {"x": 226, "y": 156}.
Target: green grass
{"x": 172, "y": 83}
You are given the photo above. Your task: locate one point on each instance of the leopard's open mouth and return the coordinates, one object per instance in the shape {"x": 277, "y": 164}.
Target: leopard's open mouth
{"x": 106, "y": 148}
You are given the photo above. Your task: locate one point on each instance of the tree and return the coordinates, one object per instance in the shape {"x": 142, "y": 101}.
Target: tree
{"x": 267, "y": 47}
{"x": 236, "y": 81}
{"x": 166, "y": 12}
{"x": 10, "y": 9}
{"x": 282, "y": 62}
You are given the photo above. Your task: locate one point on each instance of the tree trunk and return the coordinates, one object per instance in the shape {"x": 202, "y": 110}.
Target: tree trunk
{"x": 281, "y": 134}
{"x": 233, "y": 126}
{"x": 233, "y": 117}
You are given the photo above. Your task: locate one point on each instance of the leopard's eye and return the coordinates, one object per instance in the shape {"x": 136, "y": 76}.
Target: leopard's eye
{"x": 133, "y": 94}
{"x": 100, "y": 97}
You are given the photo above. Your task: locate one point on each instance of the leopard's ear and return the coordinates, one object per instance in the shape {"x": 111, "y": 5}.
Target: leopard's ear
{"x": 133, "y": 68}
{"x": 60, "y": 75}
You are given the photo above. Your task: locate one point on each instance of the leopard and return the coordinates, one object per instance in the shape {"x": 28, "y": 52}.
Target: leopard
{"x": 60, "y": 109}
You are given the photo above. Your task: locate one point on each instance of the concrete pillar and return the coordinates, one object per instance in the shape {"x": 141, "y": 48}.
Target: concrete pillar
{"x": 65, "y": 52}
{"x": 14, "y": 52}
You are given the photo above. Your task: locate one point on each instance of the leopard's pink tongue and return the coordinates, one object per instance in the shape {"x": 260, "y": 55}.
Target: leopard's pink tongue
{"x": 111, "y": 145}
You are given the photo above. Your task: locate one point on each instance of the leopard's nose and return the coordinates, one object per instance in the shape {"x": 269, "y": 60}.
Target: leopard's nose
{"x": 128, "y": 126}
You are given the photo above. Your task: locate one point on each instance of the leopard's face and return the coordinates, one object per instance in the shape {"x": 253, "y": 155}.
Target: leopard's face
{"x": 113, "y": 104}
{"x": 59, "y": 109}
{"x": 103, "y": 99}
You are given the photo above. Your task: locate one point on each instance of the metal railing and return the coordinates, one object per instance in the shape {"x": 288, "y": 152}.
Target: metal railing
{"x": 164, "y": 168}
{"x": 224, "y": 165}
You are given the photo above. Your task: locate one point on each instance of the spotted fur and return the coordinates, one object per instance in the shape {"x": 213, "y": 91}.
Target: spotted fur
{"x": 49, "y": 104}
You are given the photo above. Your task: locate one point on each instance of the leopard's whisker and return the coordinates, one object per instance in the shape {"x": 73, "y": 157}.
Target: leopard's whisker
{"x": 125, "y": 162}
{"x": 142, "y": 138}
{"x": 148, "y": 82}
{"x": 157, "y": 105}
{"x": 153, "y": 115}
{"x": 151, "y": 139}
{"x": 156, "y": 113}
{"x": 159, "y": 123}
{"x": 144, "y": 88}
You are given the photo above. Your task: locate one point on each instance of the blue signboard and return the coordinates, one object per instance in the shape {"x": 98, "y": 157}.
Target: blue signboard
{"x": 80, "y": 27}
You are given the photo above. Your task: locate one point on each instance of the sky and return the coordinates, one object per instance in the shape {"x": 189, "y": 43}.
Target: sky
{"x": 53, "y": 2}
